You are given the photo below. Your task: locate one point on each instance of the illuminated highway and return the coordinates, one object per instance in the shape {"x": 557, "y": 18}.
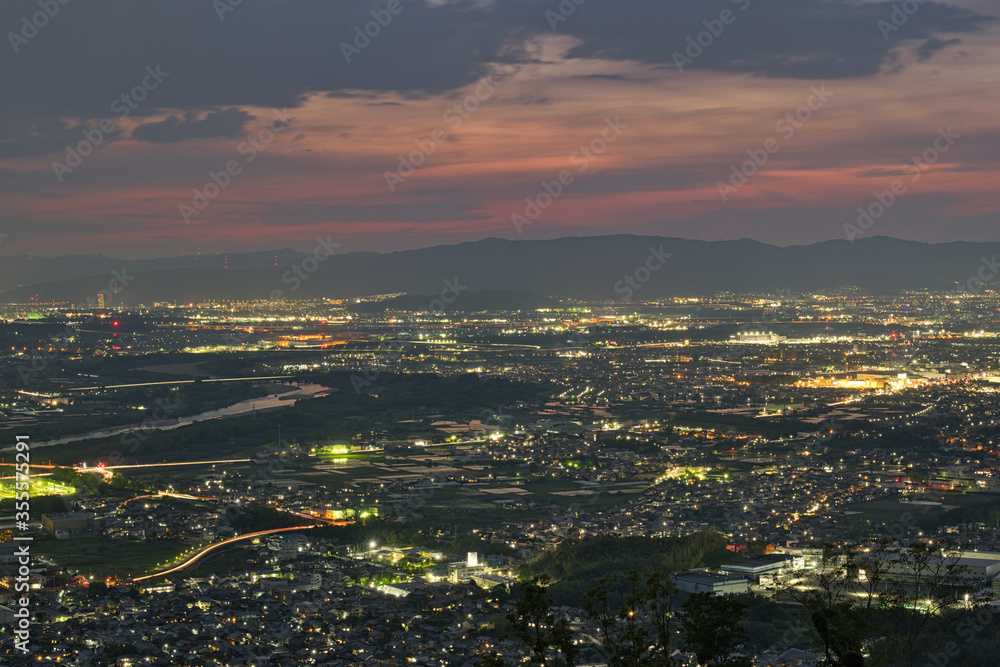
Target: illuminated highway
{"x": 205, "y": 551}
{"x": 159, "y": 465}
{"x": 169, "y": 382}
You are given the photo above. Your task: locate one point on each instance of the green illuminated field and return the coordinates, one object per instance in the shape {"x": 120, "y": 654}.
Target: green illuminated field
{"x": 38, "y": 486}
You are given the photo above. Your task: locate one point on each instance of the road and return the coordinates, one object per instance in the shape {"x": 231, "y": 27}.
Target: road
{"x": 159, "y": 465}
{"x": 204, "y": 551}
{"x": 211, "y": 548}
{"x": 175, "y": 382}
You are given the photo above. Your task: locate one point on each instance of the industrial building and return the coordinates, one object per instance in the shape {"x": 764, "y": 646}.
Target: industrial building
{"x": 703, "y": 581}
{"x": 968, "y": 568}
{"x": 771, "y": 564}
{"x": 65, "y": 524}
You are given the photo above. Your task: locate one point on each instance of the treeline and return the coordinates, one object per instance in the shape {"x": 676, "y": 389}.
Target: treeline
{"x": 640, "y": 621}
{"x": 39, "y": 505}
{"x": 772, "y": 429}
{"x": 386, "y": 534}
{"x": 577, "y": 565}
{"x": 251, "y": 519}
{"x": 987, "y": 512}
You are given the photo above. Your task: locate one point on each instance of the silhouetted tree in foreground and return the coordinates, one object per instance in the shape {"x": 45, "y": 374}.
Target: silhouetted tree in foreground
{"x": 534, "y": 623}
{"x": 635, "y": 623}
{"x": 898, "y": 605}
{"x": 713, "y": 629}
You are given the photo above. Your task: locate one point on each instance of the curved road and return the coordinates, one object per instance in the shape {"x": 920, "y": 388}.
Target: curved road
{"x": 206, "y": 550}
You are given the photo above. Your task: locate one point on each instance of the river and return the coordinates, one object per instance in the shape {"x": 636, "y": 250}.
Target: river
{"x": 270, "y": 401}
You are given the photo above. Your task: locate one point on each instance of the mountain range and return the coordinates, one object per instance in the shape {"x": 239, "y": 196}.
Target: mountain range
{"x": 613, "y": 267}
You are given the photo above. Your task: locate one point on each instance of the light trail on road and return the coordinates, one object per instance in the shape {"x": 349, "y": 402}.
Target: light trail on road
{"x": 154, "y": 384}
{"x": 162, "y": 465}
{"x": 204, "y": 551}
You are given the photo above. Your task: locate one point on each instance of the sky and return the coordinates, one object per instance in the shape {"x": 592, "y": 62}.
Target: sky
{"x": 144, "y": 128}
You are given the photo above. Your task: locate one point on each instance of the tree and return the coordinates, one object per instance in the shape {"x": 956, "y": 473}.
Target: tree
{"x": 534, "y": 623}
{"x": 841, "y": 629}
{"x": 713, "y": 628}
{"x": 97, "y": 590}
{"x": 635, "y": 623}
{"x": 838, "y": 624}
{"x": 900, "y": 604}
{"x": 921, "y": 604}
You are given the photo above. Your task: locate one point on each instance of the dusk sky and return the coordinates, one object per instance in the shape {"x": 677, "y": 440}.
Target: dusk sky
{"x": 663, "y": 119}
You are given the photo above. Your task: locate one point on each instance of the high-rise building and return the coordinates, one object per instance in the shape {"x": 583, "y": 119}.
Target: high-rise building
{"x": 100, "y": 299}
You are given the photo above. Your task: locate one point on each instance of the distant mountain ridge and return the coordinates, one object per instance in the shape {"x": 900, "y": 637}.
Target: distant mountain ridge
{"x": 593, "y": 268}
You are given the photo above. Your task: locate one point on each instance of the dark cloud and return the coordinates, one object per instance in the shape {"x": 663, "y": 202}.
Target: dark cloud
{"x": 609, "y": 77}
{"x": 25, "y": 137}
{"x": 273, "y": 53}
{"x": 266, "y": 53}
{"x": 814, "y": 39}
{"x": 927, "y": 50}
{"x": 225, "y": 123}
